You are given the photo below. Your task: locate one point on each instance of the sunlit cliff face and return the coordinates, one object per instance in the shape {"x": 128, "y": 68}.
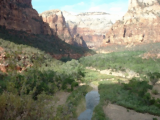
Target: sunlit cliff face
{"x": 140, "y": 3}
{"x": 150, "y": 2}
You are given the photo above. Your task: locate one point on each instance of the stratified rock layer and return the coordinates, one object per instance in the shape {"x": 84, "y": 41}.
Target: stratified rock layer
{"x": 139, "y": 25}
{"x": 19, "y": 15}
{"x": 92, "y": 26}
{"x": 57, "y": 22}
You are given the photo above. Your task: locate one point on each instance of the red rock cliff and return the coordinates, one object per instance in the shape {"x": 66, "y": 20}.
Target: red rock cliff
{"x": 92, "y": 26}
{"x": 139, "y": 25}
{"x": 57, "y": 23}
{"x": 19, "y": 15}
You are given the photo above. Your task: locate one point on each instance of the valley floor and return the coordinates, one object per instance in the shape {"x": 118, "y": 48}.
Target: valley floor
{"x": 113, "y": 111}
{"x": 116, "y": 112}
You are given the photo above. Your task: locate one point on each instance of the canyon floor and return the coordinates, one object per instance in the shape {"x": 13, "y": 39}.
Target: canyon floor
{"x": 116, "y": 112}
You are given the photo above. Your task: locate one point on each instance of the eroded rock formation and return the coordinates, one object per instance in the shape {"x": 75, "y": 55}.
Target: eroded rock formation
{"x": 92, "y": 26}
{"x": 139, "y": 25}
{"x": 57, "y": 22}
{"x": 19, "y": 15}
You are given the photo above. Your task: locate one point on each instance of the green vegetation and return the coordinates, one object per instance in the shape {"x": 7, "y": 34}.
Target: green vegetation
{"x": 133, "y": 95}
{"x": 68, "y": 111}
{"x": 76, "y": 96}
{"x": 94, "y": 76}
{"x": 121, "y": 61}
{"x": 32, "y": 76}
{"x": 155, "y": 92}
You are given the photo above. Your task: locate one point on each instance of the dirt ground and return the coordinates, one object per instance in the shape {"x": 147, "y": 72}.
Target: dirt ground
{"x": 116, "y": 112}
{"x": 59, "y": 99}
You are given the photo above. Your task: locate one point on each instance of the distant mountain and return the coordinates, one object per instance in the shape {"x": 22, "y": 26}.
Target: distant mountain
{"x": 92, "y": 26}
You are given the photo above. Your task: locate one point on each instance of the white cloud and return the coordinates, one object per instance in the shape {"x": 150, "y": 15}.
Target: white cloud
{"x": 112, "y": 8}
{"x": 118, "y": 7}
{"x": 76, "y": 8}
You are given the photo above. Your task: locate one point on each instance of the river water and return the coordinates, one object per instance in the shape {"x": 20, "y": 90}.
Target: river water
{"x": 92, "y": 100}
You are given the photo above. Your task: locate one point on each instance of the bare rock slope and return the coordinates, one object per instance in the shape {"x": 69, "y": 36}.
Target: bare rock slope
{"x": 19, "y": 15}
{"x": 92, "y": 26}
{"x": 57, "y": 22}
{"x": 139, "y": 25}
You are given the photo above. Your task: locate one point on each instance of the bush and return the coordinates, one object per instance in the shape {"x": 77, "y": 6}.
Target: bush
{"x": 154, "y": 77}
{"x": 25, "y": 108}
{"x": 155, "y": 92}
{"x": 137, "y": 87}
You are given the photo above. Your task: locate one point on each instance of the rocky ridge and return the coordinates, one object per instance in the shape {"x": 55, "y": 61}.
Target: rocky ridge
{"x": 139, "y": 25}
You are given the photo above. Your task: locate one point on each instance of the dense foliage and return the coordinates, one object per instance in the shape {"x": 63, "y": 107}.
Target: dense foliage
{"x": 133, "y": 95}
{"x": 121, "y": 61}
{"x": 32, "y": 76}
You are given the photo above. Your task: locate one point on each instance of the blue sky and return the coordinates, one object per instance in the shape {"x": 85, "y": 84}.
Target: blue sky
{"x": 77, "y": 6}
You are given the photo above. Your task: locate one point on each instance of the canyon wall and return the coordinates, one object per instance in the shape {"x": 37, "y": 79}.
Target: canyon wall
{"x": 57, "y": 23}
{"x": 139, "y": 25}
{"x": 19, "y": 15}
{"x": 92, "y": 26}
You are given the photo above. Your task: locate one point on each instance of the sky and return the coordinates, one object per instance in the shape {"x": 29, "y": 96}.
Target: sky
{"x": 77, "y": 6}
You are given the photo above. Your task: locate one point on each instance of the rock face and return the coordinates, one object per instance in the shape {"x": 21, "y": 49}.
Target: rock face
{"x": 92, "y": 26}
{"x": 139, "y": 25}
{"x": 57, "y": 22}
{"x": 19, "y": 15}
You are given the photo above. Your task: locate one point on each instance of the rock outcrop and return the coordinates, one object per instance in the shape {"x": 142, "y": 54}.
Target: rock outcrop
{"x": 92, "y": 26}
{"x": 57, "y": 22}
{"x": 19, "y": 15}
{"x": 139, "y": 25}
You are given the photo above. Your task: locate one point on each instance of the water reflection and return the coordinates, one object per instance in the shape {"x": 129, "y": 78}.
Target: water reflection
{"x": 92, "y": 100}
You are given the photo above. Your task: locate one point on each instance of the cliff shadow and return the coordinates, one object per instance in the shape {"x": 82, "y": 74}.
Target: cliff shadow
{"x": 49, "y": 44}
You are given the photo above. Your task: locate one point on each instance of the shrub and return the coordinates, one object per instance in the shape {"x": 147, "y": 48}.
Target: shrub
{"x": 137, "y": 87}
{"x": 154, "y": 77}
{"x": 154, "y": 91}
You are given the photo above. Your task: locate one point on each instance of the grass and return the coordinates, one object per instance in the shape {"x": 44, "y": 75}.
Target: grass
{"x": 94, "y": 76}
